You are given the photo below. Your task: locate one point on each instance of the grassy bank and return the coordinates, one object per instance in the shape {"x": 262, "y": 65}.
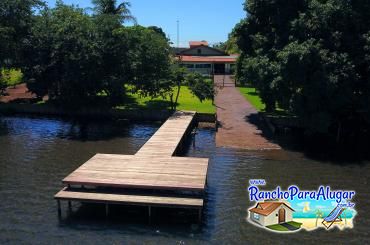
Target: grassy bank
{"x": 252, "y": 96}
{"x": 187, "y": 101}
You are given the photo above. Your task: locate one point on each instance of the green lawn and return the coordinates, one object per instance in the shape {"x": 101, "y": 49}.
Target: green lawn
{"x": 187, "y": 101}
{"x": 12, "y": 77}
{"x": 252, "y": 96}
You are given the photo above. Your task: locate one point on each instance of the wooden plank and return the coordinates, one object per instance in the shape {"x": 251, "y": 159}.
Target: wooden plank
{"x": 153, "y": 167}
{"x": 191, "y": 166}
{"x": 166, "y": 140}
{"x": 128, "y": 199}
{"x": 140, "y": 182}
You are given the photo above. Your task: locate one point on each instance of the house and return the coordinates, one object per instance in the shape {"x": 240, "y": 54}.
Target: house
{"x": 271, "y": 213}
{"x": 202, "y": 58}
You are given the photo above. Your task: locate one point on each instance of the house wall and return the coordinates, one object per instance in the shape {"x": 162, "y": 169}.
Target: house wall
{"x": 205, "y": 51}
{"x": 260, "y": 221}
{"x": 273, "y": 218}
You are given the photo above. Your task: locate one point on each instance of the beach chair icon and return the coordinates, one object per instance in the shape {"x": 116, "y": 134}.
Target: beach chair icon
{"x": 334, "y": 216}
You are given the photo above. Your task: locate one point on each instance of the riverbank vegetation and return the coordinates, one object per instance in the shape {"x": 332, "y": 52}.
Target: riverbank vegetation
{"x": 186, "y": 101}
{"x": 76, "y": 57}
{"x": 311, "y": 59}
{"x": 11, "y": 77}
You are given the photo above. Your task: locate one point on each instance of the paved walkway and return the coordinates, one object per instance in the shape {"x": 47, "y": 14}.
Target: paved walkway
{"x": 236, "y": 115}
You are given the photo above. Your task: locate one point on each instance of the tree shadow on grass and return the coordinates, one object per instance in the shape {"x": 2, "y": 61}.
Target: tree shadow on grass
{"x": 158, "y": 104}
{"x": 253, "y": 93}
{"x": 131, "y": 103}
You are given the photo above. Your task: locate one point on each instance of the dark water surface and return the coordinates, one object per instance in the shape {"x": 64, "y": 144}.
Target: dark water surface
{"x": 37, "y": 153}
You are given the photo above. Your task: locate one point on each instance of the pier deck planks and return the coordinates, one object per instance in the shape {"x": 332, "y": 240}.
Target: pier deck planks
{"x": 153, "y": 167}
{"x": 172, "y": 173}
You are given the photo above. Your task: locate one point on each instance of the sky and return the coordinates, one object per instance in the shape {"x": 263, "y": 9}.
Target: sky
{"x": 210, "y": 20}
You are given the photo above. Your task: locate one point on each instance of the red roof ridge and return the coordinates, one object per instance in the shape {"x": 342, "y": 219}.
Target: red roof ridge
{"x": 197, "y": 43}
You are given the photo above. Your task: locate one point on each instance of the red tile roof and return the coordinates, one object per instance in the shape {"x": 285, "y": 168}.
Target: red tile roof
{"x": 209, "y": 59}
{"x": 266, "y": 208}
{"x": 198, "y": 43}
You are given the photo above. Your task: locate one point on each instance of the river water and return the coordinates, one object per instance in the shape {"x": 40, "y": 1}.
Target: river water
{"x": 37, "y": 153}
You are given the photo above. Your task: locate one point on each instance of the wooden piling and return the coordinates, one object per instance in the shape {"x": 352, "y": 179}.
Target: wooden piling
{"x": 150, "y": 214}
{"x": 70, "y": 206}
{"x": 200, "y": 215}
{"x": 106, "y": 210}
{"x": 59, "y": 209}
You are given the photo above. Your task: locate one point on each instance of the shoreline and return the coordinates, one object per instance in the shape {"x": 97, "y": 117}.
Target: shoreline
{"x": 134, "y": 114}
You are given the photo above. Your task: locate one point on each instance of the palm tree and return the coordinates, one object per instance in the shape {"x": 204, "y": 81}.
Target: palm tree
{"x": 110, "y": 7}
{"x": 319, "y": 214}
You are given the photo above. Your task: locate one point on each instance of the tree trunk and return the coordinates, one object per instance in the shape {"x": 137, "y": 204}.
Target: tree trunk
{"x": 177, "y": 95}
{"x": 339, "y": 132}
{"x": 171, "y": 99}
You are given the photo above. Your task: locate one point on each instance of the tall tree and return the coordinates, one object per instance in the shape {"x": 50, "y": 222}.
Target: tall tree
{"x": 149, "y": 61}
{"x": 201, "y": 87}
{"x": 110, "y": 7}
{"x": 61, "y": 58}
{"x": 310, "y": 58}
{"x": 16, "y": 19}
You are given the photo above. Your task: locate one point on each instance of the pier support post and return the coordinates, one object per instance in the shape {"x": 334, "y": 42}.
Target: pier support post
{"x": 150, "y": 214}
{"x": 70, "y": 207}
{"x": 106, "y": 210}
{"x": 59, "y": 209}
{"x": 200, "y": 216}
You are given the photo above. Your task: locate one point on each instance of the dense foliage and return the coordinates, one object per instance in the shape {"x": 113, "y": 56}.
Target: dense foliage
{"x": 310, "y": 58}
{"x": 61, "y": 57}
{"x": 16, "y": 18}
{"x": 201, "y": 86}
{"x": 79, "y": 59}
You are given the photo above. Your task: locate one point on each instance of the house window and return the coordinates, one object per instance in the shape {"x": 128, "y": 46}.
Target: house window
{"x": 199, "y": 51}
{"x": 190, "y": 66}
{"x": 206, "y": 66}
{"x": 256, "y": 216}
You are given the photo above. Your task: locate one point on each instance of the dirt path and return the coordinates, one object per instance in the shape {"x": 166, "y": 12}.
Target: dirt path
{"x": 238, "y": 119}
{"x": 19, "y": 92}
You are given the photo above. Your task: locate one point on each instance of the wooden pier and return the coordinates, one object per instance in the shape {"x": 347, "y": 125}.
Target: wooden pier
{"x": 153, "y": 177}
